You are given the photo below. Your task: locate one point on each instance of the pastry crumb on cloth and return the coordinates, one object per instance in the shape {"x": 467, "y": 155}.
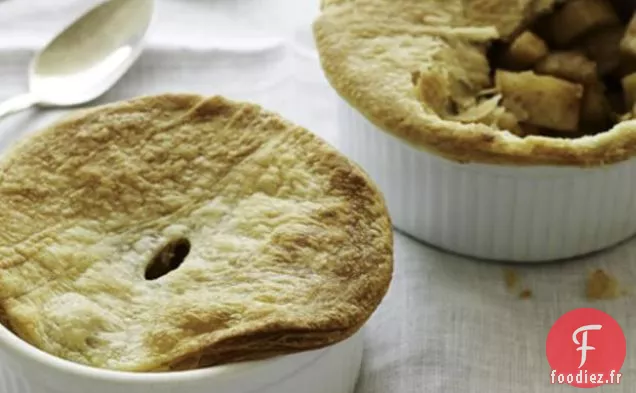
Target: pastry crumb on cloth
{"x": 599, "y": 285}
{"x": 602, "y": 286}
{"x": 525, "y": 294}
{"x": 272, "y": 241}
{"x": 511, "y": 278}
{"x": 513, "y": 281}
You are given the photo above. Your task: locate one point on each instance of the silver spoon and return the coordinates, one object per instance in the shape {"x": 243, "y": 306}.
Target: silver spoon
{"x": 87, "y": 58}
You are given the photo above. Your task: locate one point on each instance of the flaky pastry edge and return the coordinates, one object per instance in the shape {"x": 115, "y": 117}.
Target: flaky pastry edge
{"x": 404, "y": 117}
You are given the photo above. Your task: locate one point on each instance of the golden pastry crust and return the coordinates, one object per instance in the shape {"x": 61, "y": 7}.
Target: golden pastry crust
{"x": 291, "y": 244}
{"x": 370, "y": 48}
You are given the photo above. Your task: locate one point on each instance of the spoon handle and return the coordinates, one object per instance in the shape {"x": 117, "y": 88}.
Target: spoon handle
{"x": 16, "y": 104}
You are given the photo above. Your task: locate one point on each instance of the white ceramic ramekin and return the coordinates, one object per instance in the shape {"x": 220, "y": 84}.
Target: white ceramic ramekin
{"x": 505, "y": 213}
{"x": 25, "y": 369}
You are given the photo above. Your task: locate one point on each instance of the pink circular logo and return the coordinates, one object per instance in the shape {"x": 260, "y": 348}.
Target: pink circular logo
{"x": 586, "y": 348}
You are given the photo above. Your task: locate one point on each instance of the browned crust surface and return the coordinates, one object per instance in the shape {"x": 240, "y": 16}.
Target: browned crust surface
{"x": 370, "y": 48}
{"x": 291, "y": 243}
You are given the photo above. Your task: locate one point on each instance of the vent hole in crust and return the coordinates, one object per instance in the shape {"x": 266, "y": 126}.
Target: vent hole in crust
{"x": 168, "y": 259}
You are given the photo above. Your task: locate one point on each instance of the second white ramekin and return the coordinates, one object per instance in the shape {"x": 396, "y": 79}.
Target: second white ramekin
{"x": 25, "y": 369}
{"x": 505, "y": 213}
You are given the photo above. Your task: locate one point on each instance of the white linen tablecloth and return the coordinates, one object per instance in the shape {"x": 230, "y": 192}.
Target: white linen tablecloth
{"x": 448, "y": 323}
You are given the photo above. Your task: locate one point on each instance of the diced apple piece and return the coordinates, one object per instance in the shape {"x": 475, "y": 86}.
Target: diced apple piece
{"x": 543, "y": 101}
{"x": 525, "y": 51}
{"x": 578, "y": 17}
{"x": 508, "y": 122}
{"x": 569, "y": 65}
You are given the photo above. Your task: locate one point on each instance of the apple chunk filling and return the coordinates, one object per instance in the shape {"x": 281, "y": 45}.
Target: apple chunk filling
{"x": 568, "y": 73}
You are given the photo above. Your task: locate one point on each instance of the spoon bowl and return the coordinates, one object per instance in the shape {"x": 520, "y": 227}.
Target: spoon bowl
{"x": 87, "y": 58}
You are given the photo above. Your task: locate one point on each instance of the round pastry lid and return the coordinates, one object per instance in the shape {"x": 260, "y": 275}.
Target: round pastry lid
{"x": 176, "y": 232}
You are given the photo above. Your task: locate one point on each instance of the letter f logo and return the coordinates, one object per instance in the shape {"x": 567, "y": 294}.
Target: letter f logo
{"x": 583, "y": 344}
